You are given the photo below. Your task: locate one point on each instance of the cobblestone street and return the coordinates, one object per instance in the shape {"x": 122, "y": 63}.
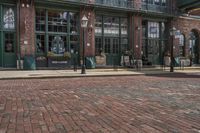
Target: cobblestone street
{"x": 134, "y": 104}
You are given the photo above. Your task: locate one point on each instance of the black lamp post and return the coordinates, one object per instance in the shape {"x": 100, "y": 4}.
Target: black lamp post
{"x": 172, "y": 34}
{"x": 84, "y": 23}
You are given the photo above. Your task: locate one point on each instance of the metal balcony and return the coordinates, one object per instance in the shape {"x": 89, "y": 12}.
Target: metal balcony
{"x": 111, "y": 3}
{"x": 157, "y": 8}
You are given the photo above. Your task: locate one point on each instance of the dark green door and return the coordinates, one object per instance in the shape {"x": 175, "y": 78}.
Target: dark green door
{"x": 112, "y": 51}
{"x": 1, "y": 50}
{"x": 153, "y": 52}
{"x": 9, "y": 50}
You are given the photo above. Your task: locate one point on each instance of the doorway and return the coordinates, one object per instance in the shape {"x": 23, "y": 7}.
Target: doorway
{"x": 111, "y": 48}
{"x": 8, "y": 50}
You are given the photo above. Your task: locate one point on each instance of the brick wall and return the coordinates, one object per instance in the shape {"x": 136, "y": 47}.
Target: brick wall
{"x": 27, "y": 32}
{"x": 89, "y": 32}
{"x": 186, "y": 25}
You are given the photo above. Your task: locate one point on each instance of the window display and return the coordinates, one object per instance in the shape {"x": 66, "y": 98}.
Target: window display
{"x": 9, "y": 18}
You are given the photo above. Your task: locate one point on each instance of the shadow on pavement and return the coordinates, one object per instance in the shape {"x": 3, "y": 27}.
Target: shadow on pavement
{"x": 176, "y": 75}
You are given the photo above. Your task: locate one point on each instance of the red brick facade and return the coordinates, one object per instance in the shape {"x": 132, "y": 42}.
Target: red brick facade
{"x": 27, "y": 28}
{"x": 187, "y": 25}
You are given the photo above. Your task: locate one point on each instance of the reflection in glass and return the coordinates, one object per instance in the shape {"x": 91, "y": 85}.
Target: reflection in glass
{"x": 9, "y": 18}
{"x": 111, "y": 25}
{"x": 98, "y": 25}
{"x": 9, "y": 42}
{"x": 57, "y": 21}
{"x": 124, "y": 26}
{"x": 73, "y": 23}
{"x": 57, "y": 44}
{"x": 40, "y": 20}
{"x": 40, "y": 41}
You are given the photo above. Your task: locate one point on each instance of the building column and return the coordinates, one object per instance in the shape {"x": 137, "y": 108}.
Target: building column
{"x": 26, "y": 27}
{"x": 89, "y": 32}
{"x": 135, "y": 35}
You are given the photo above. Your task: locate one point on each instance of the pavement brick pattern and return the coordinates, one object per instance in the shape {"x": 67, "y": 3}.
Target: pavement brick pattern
{"x": 137, "y": 104}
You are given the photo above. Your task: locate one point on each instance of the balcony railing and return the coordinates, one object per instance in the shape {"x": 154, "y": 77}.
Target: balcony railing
{"x": 157, "y": 8}
{"x": 112, "y": 3}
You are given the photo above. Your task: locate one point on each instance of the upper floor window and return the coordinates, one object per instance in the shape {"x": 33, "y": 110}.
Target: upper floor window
{"x": 153, "y": 30}
{"x": 8, "y": 18}
{"x": 155, "y": 2}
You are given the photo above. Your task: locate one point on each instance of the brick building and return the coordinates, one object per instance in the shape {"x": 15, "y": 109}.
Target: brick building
{"x": 49, "y": 33}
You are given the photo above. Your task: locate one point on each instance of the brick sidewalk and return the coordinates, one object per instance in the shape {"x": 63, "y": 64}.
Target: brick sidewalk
{"x": 138, "y": 104}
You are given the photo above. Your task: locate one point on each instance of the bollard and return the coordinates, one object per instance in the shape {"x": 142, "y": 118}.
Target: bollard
{"x": 139, "y": 65}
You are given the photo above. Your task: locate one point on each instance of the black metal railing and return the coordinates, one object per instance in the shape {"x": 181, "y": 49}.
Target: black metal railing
{"x": 111, "y": 3}
{"x": 157, "y": 8}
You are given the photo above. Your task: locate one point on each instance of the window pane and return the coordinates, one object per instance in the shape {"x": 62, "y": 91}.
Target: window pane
{"x": 124, "y": 26}
{"x": 153, "y": 30}
{"x": 9, "y": 18}
{"x": 57, "y": 44}
{"x": 74, "y": 43}
{"x": 107, "y": 45}
{"x": 40, "y": 20}
{"x": 98, "y": 46}
{"x": 40, "y": 43}
{"x": 124, "y": 44}
{"x": 57, "y": 21}
{"x": 111, "y": 26}
{"x": 74, "y": 17}
{"x": 9, "y": 42}
{"x": 98, "y": 25}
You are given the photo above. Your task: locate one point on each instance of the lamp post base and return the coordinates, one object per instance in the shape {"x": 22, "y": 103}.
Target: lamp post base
{"x": 83, "y": 69}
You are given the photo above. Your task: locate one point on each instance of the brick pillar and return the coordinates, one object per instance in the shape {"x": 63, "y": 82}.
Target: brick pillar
{"x": 135, "y": 33}
{"x": 27, "y": 24}
{"x": 89, "y": 32}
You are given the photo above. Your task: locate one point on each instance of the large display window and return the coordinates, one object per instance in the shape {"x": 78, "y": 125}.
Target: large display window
{"x": 56, "y": 31}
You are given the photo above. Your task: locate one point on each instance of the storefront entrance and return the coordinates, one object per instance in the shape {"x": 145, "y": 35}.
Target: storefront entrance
{"x": 8, "y": 50}
{"x": 153, "y": 52}
{"x": 111, "y": 50}
{"x": 7, "y": 37}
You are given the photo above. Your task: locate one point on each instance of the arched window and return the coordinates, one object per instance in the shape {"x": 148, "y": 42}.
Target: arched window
{"x": 181, "y": 45}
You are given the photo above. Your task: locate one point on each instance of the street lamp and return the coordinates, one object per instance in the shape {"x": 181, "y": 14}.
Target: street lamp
{"x": 172, "y": 34}
{"x": 84, "y": 24}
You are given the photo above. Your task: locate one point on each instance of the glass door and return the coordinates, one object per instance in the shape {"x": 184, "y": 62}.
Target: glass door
{"x": 111, "y": 49}
{"x": 153, "y": 52}
{"x": 9, "y": 50}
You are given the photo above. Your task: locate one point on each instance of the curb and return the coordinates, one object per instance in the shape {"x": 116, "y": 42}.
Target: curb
{"x": 88, "y": 75}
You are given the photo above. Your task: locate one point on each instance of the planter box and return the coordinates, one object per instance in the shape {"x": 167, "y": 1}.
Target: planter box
{"x": 101, "y": 60}
{"x": 58, "y": 63}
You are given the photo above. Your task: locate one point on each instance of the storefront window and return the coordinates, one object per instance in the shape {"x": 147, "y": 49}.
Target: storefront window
{"x": 124, "y": 26}
{"x": 98, "y": 25}
{"x": 73, "y": 23}
{"x": 98, "y": 45}
{"x": 9, "y": 18}
{"x": 153, "y": 30}
{"x": 9, "y": 43}
{"x": 62, "y": 33}
{"x": 111, "y": 26}
{"x": 57, "y": 44}
{"x": 40, "y": 20}
{"x": 40, "y": 43}
{"x": 57, "y": 21}
{"x": 181, "y": 44}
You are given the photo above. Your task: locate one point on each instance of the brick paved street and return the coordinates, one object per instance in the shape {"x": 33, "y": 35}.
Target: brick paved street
{"x": 137, "y": 104}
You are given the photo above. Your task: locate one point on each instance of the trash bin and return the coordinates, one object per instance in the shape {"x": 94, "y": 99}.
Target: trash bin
{"x": 90, "y": 63}
{"x": 29, "y": 63}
